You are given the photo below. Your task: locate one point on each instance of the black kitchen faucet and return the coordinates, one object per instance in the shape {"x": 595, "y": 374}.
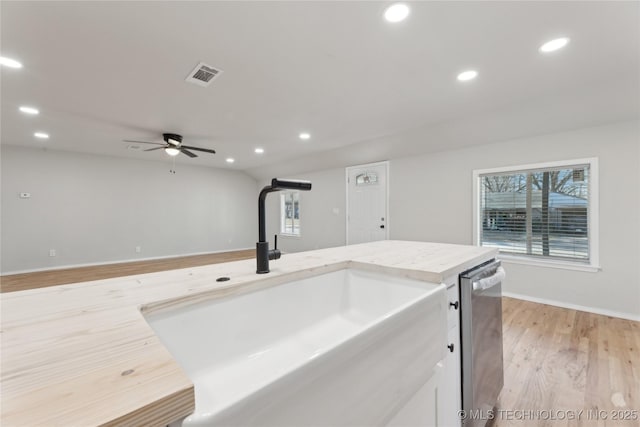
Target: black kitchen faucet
{"x": 263, "y": 254}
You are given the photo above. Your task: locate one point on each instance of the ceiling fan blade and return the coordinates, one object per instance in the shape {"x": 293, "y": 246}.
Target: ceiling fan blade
{"x": 143, "y": 142}
{"x": 155, "y": 148}
{"x": 187, "y": 152}
{"x": 206, "y": 150}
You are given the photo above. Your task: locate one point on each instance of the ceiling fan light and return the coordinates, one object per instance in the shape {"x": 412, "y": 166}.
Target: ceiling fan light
{"x": 172, "y": 151}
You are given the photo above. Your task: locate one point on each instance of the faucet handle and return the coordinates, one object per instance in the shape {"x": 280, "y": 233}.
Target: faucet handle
{"x": 274, "y": 253}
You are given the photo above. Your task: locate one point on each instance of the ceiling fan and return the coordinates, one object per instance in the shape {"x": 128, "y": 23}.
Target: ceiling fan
{"x": 173, "y": 145}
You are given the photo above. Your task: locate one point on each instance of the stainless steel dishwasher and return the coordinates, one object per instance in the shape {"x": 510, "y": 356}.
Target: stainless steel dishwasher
{"x": 481, "y": 341}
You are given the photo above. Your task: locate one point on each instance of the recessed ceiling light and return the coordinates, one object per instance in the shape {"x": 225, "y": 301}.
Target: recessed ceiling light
{"x": 172, "y": 151}
{"x": 259, "y": 150}
{"x": 8, "y": 62}
{"x": 396, "y": 12}
{"x": 29, "y": 110}
{"x": 41, "y": 135}
{"x": 554, "y": 45}
{"x": 467, "y": 75}
{"x": 305, "y": 135}
{"x": 230, "y": 160}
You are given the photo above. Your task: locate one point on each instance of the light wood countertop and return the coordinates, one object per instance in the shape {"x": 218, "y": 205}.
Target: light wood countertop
{"x": 82, "y": 354}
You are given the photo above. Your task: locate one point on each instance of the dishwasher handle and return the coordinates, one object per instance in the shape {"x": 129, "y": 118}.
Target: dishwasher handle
{"x": 490, "y": 281}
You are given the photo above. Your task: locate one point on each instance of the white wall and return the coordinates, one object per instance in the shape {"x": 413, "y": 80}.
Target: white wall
{"x": 431, "y": 200}
{"x": 322, "y": 213}
{"x": 95, "y": 209}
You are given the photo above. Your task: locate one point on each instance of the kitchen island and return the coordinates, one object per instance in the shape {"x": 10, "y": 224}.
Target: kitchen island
{"x": 83, "y": 354}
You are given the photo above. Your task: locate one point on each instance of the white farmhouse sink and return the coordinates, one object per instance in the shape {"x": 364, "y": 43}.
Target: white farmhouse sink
{"x": 341, "y": 348}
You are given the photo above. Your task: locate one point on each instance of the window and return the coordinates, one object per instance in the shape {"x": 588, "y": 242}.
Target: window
{"x": 544, "y": 213}
{"x": 290, "y": 213}
{"x": 366, "y": 178}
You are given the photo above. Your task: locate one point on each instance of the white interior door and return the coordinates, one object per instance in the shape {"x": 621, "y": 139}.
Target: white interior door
{"x": 367, "y": 212}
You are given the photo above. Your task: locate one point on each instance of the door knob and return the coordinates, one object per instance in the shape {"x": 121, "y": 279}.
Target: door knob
{"x": 450, "y": 347}
{"x": 382, "y": 226}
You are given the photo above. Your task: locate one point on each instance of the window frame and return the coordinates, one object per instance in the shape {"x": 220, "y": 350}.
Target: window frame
{"x": 283, "y": 196}
{"x": 593, "y": 217}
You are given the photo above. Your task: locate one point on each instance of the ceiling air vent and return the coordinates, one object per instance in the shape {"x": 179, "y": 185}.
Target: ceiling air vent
{"x": 203, "y": 74}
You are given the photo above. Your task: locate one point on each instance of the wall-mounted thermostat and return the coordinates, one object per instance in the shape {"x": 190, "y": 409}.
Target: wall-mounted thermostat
{"x": 25, "y": 195}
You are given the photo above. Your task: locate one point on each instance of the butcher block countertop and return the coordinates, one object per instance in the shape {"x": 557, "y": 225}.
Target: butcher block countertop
{"x": 83, "y": 354}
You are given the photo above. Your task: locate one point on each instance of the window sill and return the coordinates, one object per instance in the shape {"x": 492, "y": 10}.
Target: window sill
{"x": 564, "y": 265}
{"x": 287, "y": 235}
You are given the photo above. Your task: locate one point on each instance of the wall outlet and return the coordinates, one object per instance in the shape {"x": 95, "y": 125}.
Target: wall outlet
{"x": 52, "y": 252}
{"x": 138, "y": 249}
{"x": 25, "y": 195}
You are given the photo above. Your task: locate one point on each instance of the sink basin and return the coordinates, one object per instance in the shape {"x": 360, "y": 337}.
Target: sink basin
{"x": 341, "y": 348}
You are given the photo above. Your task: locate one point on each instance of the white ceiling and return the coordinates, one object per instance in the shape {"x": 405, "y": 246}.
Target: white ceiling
{"x": 366, "y": 90}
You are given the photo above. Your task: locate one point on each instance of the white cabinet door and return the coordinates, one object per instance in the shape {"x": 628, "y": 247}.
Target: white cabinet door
{"x": 450, "y": 401}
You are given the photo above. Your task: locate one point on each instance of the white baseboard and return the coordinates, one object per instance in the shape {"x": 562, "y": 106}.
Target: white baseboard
{"x": 619, "y": 314}
{"x": 94, "y": 264}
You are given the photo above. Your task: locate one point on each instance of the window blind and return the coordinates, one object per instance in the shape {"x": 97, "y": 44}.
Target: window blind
{"x": 537, "y": 212}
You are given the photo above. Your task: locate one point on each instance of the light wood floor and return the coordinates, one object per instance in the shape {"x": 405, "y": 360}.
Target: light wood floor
{"x": 19, "y": 282}
{"x": 558, "y": 359}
